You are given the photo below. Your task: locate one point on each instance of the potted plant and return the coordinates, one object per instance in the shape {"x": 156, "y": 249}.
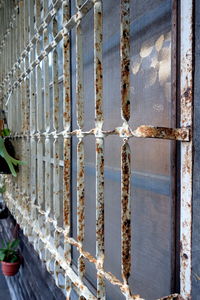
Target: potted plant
{"x": 10, "y": 258}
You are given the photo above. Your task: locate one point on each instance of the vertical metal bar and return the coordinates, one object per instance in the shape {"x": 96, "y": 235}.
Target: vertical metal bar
{"x": 56, "y": 187}
{"x": 98, "y": 73}
{"x": 125, "y": 151}
{"x": 125, "y": 211}
{"x": 26, "y": 23}
{"x": 67, "y": 142}
{"x": 48, "y": 176}
{"x": 100, "y": 215}
{"x": 39, "y": 111}
{"x": 67, "y": 207}
{"x": 47, "y": 130}
{"x": 31, "y": 19}
{"x": 55, "y": 80}
{"x": 80, "y": 145}
{"x": 79, "y": 72}
{"x": 32, "y": 113}
{"x": 125, "y": 59}
{"x": 186, "y": 147}
{"x": 98, "y": 92}
{"x": 175, "y": 223}
{"x": 25, "y": 169}
{"x": 56, "y": 169}
{"x": 46, "y": 75}
{"x": 80, "y": 204}
{"x": 56, "y": 194}
{"x": 66, "y": 72}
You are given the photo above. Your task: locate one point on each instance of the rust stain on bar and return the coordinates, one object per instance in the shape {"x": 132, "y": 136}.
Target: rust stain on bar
{"x": 99, "y": 118}
{"x": 125, "y": 211}
{"x": 186, "y": 90}
{"x": 66, "y": 71}
{"x": 148, "y": 131}
{"x": 171, "y": 297}
{"x": 55, "y": 79}
{"x": 98, "y": 69}
{"x": 125, "y": 58}
{"x": 80, "y": 204}
{"x": 80, "y": 191}
{"x": 67, "y": 204}
{"x": 79, "y": 77}
{"x": 67, "y": 178}
{"x": 100, "y": 215}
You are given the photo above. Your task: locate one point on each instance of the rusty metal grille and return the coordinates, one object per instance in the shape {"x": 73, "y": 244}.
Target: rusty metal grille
{"x": 36, "y": 93}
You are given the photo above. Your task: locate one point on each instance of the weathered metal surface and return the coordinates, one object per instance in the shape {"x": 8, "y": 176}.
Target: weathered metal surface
{"x": 125, "y": 58}
{"x": 56, "y": 184}
{"x": 32, "y": 117}
{"x": 66, "y": 72}
{"x": 46, "y": 74}
{"x": 66, "y": 144}
{"x": 55, "y": 81}
{"x": 179, "y": 134}
{"x": 80, "y": 204}
{"x": 67, "y": 205}
{"x": 125, "y": 212}
{"x": 186, "y": 88}
{"x": 80, "y": 146}
{"x": 79, "y": 73}
{"x": 98, "y": 94}
{"x": 100, "y": 215}
{"x": 24, "y": 72}
{"x": 98, "y": 66}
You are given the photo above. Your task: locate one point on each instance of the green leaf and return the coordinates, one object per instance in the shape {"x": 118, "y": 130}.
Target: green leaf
{"x": 2, "y": 256}
{"x": 9, "y": 159}
{"x": 14, "y": 259}
{"x": 5, "y": 132}
{"x": 14, "y": 244}
{"x": 3, "y": 251}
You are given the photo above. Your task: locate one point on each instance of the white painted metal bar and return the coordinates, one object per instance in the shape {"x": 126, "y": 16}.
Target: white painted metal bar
{"x": 56, "y": 187}
{"x": 186, "y": 88}
{"x": 39, "y": 112}
{"x": 125, "y": 150}
{"x": 48, "y": 177}
{"x": 80, "y": 145}
{"x": 66, "y": 145}
{"x": 26, "y": 123}
{"x": 55, "y": 81}
{"x": 98, "y": 92}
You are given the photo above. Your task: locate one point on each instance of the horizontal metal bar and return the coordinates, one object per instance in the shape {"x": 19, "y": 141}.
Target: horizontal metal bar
{"x": 172, "y": 296}
{"x": 143, "y": 131}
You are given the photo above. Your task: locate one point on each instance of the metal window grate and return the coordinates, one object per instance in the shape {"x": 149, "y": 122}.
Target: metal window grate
{"x": 41, "y": 127}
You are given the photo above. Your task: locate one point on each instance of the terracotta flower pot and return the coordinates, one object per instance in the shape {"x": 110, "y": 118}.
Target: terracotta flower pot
{"x": 10, "y": 269}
